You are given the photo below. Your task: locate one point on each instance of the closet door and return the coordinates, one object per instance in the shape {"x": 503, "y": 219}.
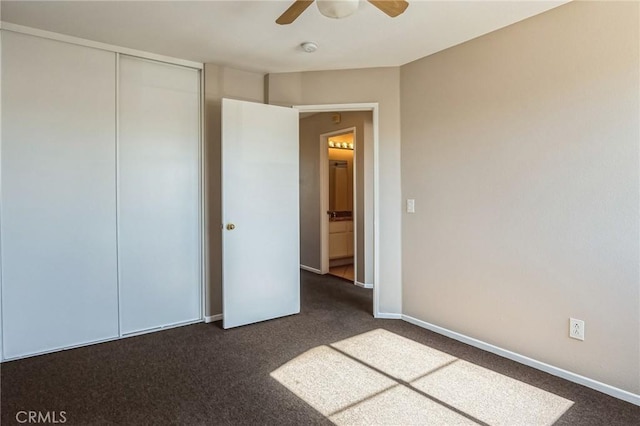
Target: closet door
{"x": 159, "y": 186}
{"x": 58, "y": 217}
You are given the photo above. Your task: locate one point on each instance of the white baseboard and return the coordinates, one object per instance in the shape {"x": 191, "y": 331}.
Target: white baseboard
{"x": 383, "y": 315}
{"x": 212, "y": 318}
{"x": 310, "y": 269}
{"x": 555, "y": 371}
{"x": 363, "y": 285}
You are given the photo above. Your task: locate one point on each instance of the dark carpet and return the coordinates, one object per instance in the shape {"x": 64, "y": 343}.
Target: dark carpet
{"x": 202, "y": 374}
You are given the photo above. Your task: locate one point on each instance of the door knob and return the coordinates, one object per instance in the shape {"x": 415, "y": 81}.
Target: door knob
{"x": 231, "y": 227}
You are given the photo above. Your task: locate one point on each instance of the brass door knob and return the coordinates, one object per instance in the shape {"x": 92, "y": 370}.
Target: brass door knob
{"x": 231, "y": 227}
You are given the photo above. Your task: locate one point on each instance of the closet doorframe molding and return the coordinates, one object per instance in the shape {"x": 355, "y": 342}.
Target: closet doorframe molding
{"x": 7, "y": 26}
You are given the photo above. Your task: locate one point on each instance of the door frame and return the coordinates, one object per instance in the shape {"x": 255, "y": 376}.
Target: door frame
{"x": 324, "y": 201}
{"x": 373, "y": 107}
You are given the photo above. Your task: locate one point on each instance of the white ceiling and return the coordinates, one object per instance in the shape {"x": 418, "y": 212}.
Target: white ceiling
{"x": 243, "y": 34}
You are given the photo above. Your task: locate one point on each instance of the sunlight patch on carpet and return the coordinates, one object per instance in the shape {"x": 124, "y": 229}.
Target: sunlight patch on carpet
{"x": 492, "y": 397}
{"x": 380, "y": 377}
{"x": 330, "y": 381}
{"x": 399, "y": 406}
{"x": 395, "y": 355}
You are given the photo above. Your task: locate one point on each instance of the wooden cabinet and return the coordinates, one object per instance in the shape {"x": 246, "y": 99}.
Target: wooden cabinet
{"x": 340, "y": 239}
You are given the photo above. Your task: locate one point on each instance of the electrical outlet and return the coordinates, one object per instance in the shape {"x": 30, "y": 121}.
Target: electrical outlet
{"x": 576, "y": 329}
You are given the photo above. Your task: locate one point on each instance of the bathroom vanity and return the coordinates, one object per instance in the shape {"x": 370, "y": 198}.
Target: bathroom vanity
{"x": 340, "y": 237}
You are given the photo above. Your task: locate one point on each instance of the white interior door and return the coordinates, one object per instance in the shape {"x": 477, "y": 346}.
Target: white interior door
{"x": 260, "y": 212}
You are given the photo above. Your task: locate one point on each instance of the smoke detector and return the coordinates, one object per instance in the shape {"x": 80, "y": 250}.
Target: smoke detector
{"x": 309, "y": 46}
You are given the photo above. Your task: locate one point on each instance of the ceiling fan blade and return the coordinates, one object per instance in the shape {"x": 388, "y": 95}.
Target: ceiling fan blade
{"x": 392, "y": 8}
{"x": 293, "y": 12}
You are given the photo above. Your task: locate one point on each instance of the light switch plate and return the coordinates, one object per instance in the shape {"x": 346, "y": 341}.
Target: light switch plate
{"x": 411, "y": 205}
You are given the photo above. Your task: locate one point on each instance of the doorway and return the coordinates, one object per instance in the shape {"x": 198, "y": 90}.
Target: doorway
{"x": 303, "y": 179}
{"x": 320, "y": 125}
{"x": 338, "y": 193}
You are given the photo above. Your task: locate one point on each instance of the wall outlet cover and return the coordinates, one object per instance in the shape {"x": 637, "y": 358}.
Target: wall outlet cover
{"x": 576, "y": 329}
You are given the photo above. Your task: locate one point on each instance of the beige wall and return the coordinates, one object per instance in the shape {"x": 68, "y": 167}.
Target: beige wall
{"x": 310, "y": 215}
{"x": 379, "y": 85}
{"x": 220, "y": 82}
{"x": 521, "y": 150}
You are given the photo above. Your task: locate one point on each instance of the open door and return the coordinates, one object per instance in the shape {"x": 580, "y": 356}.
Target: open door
{"x": 260, "y": 213}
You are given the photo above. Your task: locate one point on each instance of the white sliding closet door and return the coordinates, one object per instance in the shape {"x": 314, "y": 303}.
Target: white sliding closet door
{"x": 159, "y": 186}
{"x": 58, "y": 229}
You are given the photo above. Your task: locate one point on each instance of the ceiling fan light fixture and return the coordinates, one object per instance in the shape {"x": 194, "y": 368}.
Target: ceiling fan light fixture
{"x": 337, "y": 9}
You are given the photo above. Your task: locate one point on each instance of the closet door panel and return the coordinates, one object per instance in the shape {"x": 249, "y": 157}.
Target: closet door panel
{"x": 58, "y": 217}
{"x": 159, "y": 242}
